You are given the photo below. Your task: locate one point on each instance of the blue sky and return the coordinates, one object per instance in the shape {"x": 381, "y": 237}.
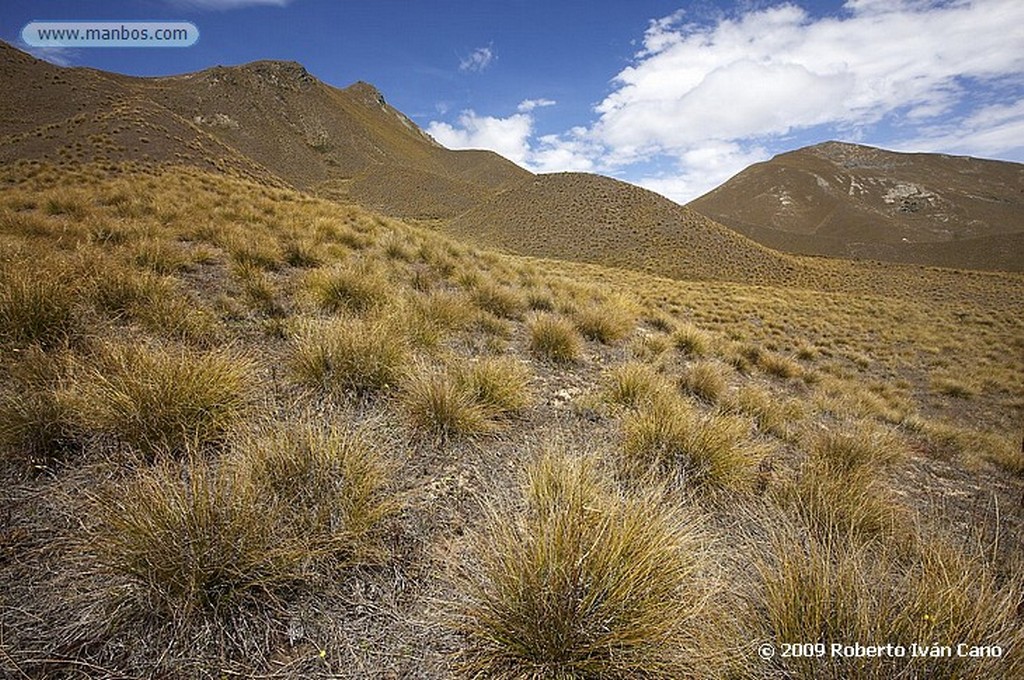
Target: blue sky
{"x": 675, "y": 96}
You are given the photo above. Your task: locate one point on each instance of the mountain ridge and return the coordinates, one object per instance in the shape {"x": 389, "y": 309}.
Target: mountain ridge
{"x": 853, "y": 201}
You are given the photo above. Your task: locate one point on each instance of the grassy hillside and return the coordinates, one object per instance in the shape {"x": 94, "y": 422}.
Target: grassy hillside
{"x": 269, "y": 121}
{"x": 847, "y": 200}
{"x": 588, "y": 218}
{"x": 249, "y": 432}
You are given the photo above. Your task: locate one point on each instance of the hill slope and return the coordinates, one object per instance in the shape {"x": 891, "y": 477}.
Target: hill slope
{"x": 268, "y": 120}
{"x": 590, "y": 218}
{"x": 846, "y": 200}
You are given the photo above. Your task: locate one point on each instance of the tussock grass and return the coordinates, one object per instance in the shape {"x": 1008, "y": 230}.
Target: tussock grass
{"x": 649, "y": 347}
{"x": 36, "y": 424}
{"x": 38, "y": 306}
{"x": 953, "y": 387}
{"x": 706, "y": 380}
{"x": 582, "y": 582}
{"x": 824, "y": 591}
{"x": 260, "y": 290}
{"x": 501, "y": 301}
{"x": 442, "y": 405}
{"x": 500, "y": 384}
{"x": 853, "y": 504}
{"x": 162, "y": 399}
{"x": 634, "y": 384}
{"x": 713, "y": 451}
{"x": 692, "y": 340}
{"x": 606, "y": 322}
{"x": 332, "y": 491}
{"x": 778, "y": 365}
{"x": 341, "y": 288}
{"x": 359, "y": 356}
{"x": 160, "y": 255}
{"x": 865, "y": 445}
{"x": 553, "y": 338}
{"x": 157, "y": 303}
{"x": 467, "y": 400}
{"x": 188, "y": 542}
{"x": 772, "y": 414}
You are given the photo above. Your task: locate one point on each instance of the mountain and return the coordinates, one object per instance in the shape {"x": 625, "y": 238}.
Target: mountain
{"x": 268, "y": 120}
{"x": 852, "y": 201}
{"x": 591, "y": 218}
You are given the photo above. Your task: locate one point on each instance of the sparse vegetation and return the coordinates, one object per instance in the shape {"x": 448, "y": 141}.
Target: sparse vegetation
{"x": 554, "y": 338}
{"x": 348, "y": 355}
{"x": 582, "y": 582}
{"x": 246, "y": 431}
{"x": 161, "y": 399}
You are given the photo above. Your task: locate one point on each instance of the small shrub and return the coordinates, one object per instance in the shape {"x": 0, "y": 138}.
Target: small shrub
{"x": 554, "y": 338}
{"x": 582, "y": 582}
{"x": 349, "y": 355}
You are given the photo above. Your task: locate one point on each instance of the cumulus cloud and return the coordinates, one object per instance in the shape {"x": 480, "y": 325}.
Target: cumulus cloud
{"x": 771, "y": 71}
{"x": 704, "y": 96}
{"x": 531, "y": 104}
{"x": 507, "y": 136}
{"x": 478, "y": 59}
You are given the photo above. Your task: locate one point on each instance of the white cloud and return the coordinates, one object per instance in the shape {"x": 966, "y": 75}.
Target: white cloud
{"x": 700, "y": 170}
{"x": 227, "y": 4}
{"x": 704, "y": 98}
{"x": 771, "y": 71}
{"x": 58, "y": 56}
{"x": 507, "y": 136}
{"x": 993, "y": 130}
{"x": 478, "y": 60}
{"x": 531, "y": 104}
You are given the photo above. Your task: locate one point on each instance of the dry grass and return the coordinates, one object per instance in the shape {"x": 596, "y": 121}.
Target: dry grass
{"x": 634, "y": 384}
{"x": 233, "y": 557}
{"x": 358, "y": 356}
{"x": 706, "y": 380}
{"x": 442, "y": 405}
{"x": 358, "y": 288}
{"x": 581, "y": 582}
{"x": 712, "y": 451}
{"x": 692, "y": 340}
{"x": 555, "y": 339}
{"x": 161, "y": 399}
{"x": 39, "y": 307}
{"x": 822, "y": 591}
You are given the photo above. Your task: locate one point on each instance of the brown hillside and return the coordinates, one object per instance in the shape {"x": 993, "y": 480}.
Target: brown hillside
{"x": 268, "y": 120}
{"x": 590, "y": 218}
{"x": 846, "y": 200}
